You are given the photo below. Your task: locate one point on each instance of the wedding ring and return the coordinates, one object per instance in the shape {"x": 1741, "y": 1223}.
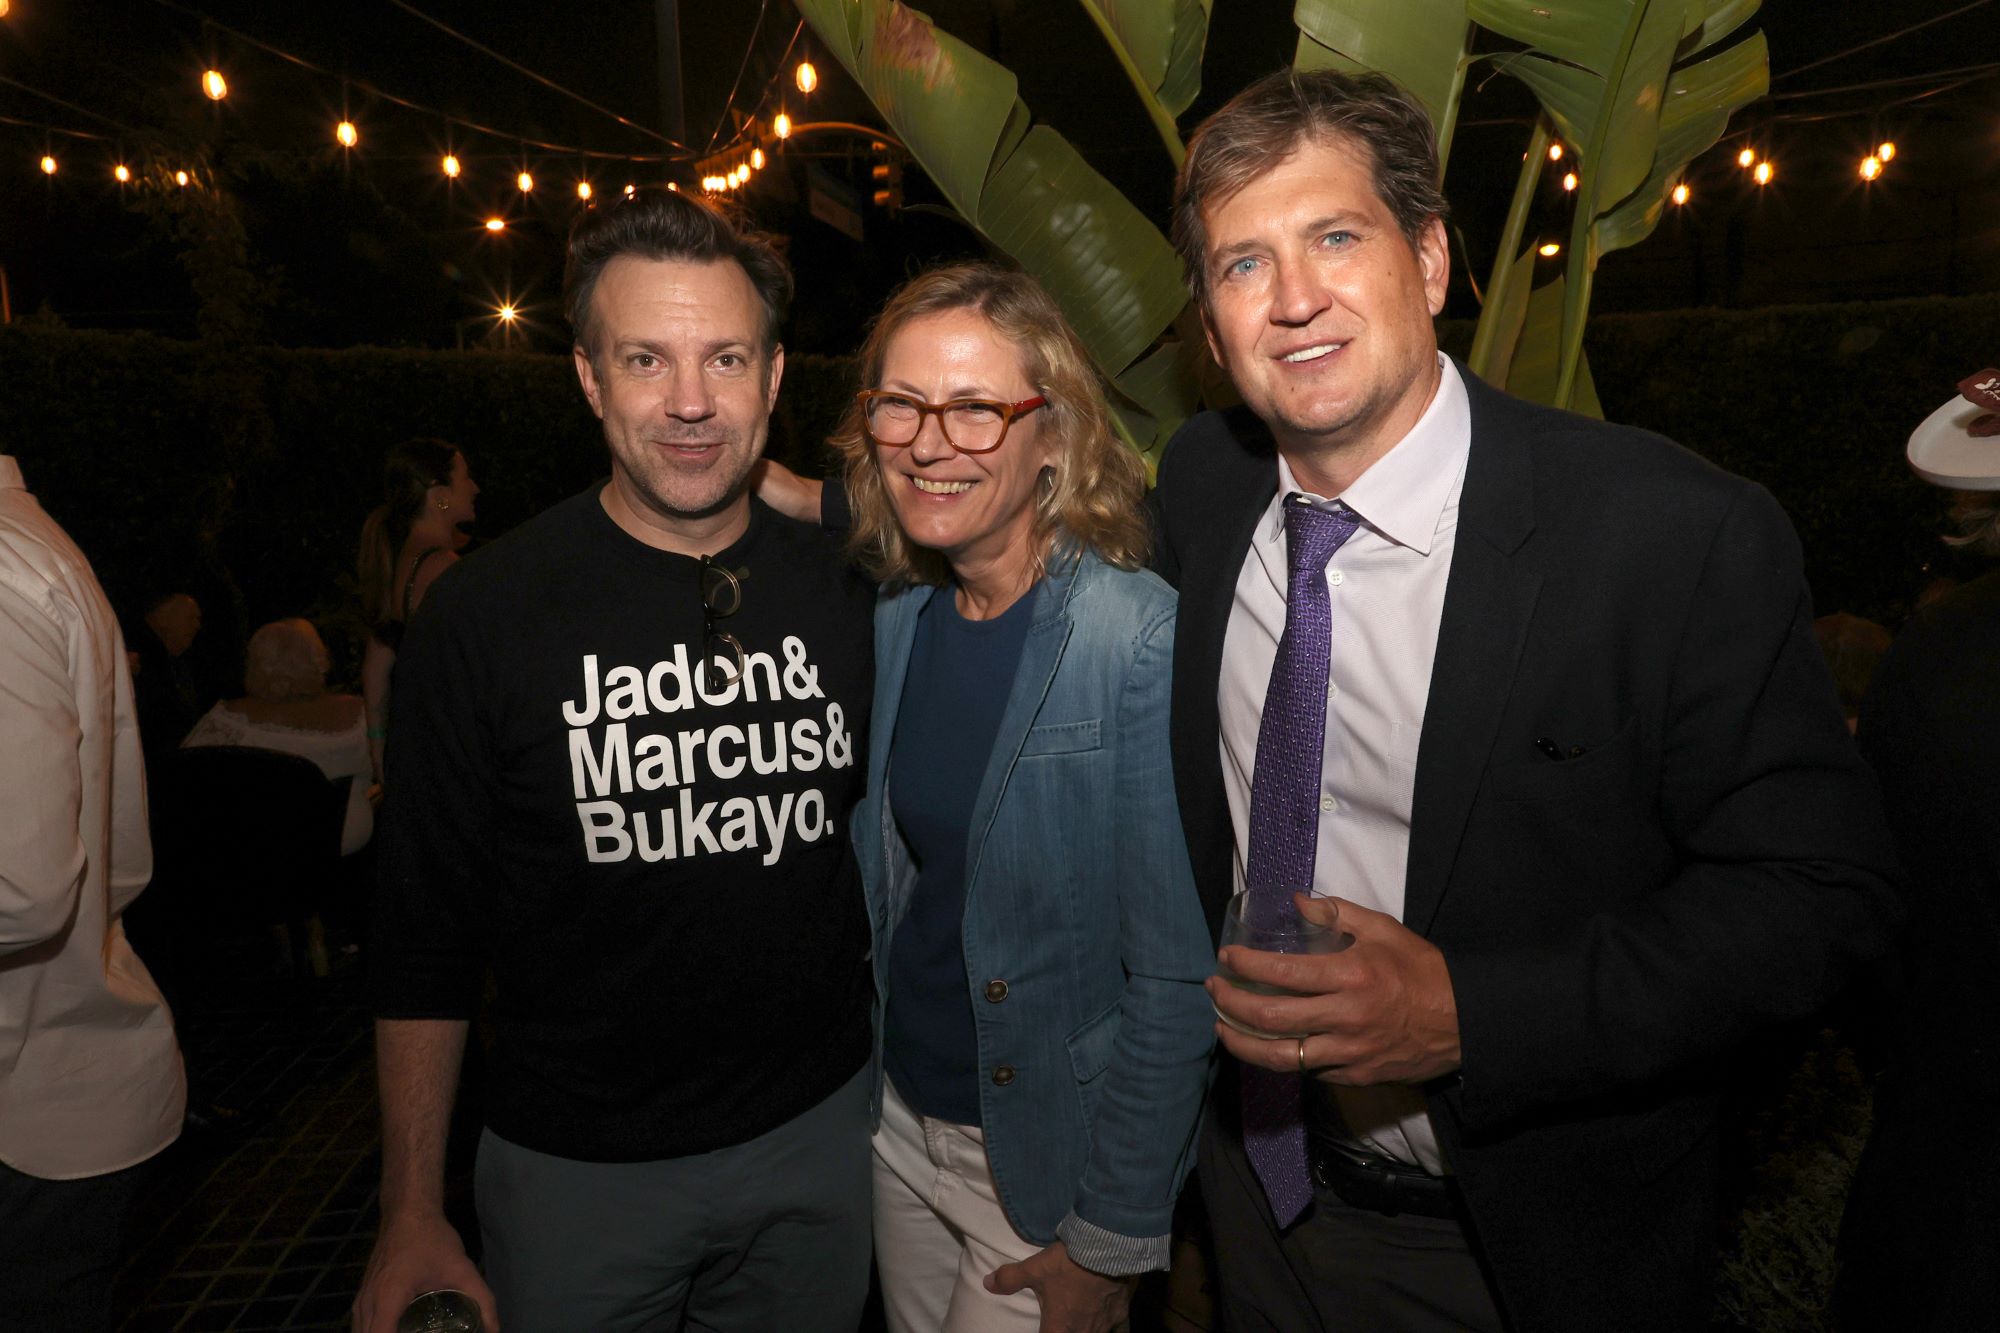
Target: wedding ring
{"x": 1302, "y": 1055}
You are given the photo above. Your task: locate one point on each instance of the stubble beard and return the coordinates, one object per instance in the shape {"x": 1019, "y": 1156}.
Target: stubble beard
{"x": 655, "y": 482}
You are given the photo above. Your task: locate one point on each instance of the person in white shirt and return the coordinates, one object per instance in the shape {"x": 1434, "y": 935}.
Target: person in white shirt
{"x": 1529, "y": 706}
{"x": 91, "y": 1086}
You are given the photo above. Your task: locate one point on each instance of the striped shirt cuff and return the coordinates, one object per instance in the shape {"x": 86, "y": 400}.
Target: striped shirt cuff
{"x": 1109, "y": 1254}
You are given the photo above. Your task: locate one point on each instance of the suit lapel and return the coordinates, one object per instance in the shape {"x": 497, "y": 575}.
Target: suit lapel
{"x": 1227, "y": 488}
{"x": 895, "y": 634}
{"x": 1489, "y": 601}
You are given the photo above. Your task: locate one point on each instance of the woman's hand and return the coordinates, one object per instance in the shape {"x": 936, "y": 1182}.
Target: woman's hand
{"x": 786, "y": 491}
{"x": 1074, "y": 1299}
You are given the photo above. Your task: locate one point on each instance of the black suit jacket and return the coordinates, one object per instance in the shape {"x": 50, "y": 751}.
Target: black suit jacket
{"x": 1921, "y": 1245}
{"x": 1715, "y": 861}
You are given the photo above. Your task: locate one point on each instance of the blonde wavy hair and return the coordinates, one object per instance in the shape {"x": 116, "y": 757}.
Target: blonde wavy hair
{"x": 1093, "y": 495}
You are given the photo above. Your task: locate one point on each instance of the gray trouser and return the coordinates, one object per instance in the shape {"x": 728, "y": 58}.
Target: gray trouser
{"x": 769, "y": 1234}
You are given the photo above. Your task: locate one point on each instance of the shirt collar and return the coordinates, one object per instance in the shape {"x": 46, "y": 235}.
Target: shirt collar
{"x": 1404, "y": 494}
{"x": 10, "y": 474}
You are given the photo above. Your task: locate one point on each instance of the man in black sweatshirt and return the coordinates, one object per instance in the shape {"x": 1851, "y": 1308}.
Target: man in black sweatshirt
{"x": 624, "y": 745}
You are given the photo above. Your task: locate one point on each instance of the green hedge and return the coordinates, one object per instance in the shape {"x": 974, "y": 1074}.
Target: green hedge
{"x": 153, "y": 451}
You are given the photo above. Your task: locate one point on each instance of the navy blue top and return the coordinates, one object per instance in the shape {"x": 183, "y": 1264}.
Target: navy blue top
{"x": 961, "y": 673}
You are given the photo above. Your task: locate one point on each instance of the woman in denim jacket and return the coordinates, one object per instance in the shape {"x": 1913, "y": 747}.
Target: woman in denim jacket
{"x": 1039, "y": 946}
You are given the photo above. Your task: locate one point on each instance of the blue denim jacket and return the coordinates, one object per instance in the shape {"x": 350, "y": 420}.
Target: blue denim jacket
{"x": 1085, "y": 943}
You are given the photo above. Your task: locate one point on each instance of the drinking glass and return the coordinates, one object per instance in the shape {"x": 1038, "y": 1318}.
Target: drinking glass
{"x": 1269, "y": 920}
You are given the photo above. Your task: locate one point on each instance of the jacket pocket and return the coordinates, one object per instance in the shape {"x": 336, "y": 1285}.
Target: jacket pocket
{"x": 1091, "y": 1045}
{"x": 1602, "y": 770}
{"x": 1062, "y": 738}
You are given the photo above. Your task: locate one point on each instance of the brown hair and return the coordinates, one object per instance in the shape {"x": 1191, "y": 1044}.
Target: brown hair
{"x": 1092, "y": 497}
{"x": 1269, "y": 120}
{"x": 408, "y": 473}
{"x": 667, "y": 224}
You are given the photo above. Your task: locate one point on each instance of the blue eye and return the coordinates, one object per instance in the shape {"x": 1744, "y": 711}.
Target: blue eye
{"x": 1338, "y": 237}
{"x": 1240, "y": 267}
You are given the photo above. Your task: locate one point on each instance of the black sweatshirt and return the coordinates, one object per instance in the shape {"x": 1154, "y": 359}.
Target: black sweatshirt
{"x": 654, "y": 863}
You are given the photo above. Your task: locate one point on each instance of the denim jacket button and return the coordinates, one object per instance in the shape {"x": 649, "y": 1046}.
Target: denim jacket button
{"x": 1003, "y": 1076}
{"x": 996, "y": 991}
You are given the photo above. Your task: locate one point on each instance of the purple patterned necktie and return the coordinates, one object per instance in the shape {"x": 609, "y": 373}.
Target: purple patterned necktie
{"x": 1284, "y": 820}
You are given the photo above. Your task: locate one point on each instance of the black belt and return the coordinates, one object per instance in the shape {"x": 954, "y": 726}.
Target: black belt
{"x": 1381, "y": 1184}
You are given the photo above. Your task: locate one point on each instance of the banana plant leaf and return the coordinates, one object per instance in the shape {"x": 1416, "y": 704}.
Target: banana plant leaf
{"x": 1605, "y": 77}
{"x": 1421, "y": 44}
{"x": 1159, "y": 45}
{"x": 1019, "y": 184}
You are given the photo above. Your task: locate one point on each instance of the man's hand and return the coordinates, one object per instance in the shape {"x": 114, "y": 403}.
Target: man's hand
{"x": 786, "y": 491}
{"x": 1074, "y": 1299}
{"x": 414, "y": 1255}
{"x": 1379, "y": 1011}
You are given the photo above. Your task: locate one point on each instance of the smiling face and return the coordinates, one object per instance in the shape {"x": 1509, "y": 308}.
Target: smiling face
{"x": 1320, "y": 308}
{"x": 681, "y": 380}
{"x": 977, "y": 510}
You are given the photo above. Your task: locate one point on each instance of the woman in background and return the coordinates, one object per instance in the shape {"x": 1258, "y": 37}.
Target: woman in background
{"x": 409, "y": 539}
{"x": 286, "y": 706}
{"x": 1039, "y": 947}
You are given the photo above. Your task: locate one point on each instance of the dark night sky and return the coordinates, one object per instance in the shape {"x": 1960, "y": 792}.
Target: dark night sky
{"x": 376, "y": 249}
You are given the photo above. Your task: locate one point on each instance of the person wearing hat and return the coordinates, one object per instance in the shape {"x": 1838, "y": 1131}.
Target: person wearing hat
{"x": 1918, "y": 1244}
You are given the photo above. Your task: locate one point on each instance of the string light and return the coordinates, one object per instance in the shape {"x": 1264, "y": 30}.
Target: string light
{"x": 1555, "y": 152}
{"x": 1871, "y": 167}
{"x": 347, "y": 134}
{"x": 451, "y": 166}
{"x": 583, "y": 190}
{"x": 757, "y": 158}
{"x": 1569, "y": 181}
{"x": 121, "y": 173}
{"x": 1747, "y": 158}
{"x": 4, "y": 7}
{"x": 526, "y": 182}
{"x": 214, "y": 85}
{"x": 1549, "y": 250}
{"x": 181, "y": 179}
{"x": 781, "y": 125}
{"x": 1886, "y": 150}
{"x": 675, "y": 186}
{"x": 48, "y": 165}
{"x": 496, "y": 224}
{"x": 1764, "y": 172}
{"x": 1681, "y": 194}
{"x": 806, "y": 76}
{"x": 506, "y": 313}
{"x": 631, "y": 190}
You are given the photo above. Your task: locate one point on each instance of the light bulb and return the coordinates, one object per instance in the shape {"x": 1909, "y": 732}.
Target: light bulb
{"x": 181, "y": 179}
{"x": 806, "y": 76}
{"x": 121, "y": 173}
{"x": 1555, "y": 152}
{"x": 48, "y": 165}
{"x": 1871, "y": 167}
{"x": 1747, "y": 158}
{"x": 214, "y": 85}
{"x": 1549, "y": 250}
{"x": 1681, "y": 194}
{"x": 451, "y": 165}
{"x": 1569, "y": 180}
{"x": 525, "y": 181}
{"x": 347, "y": 134}
{"x": 1764, "y": 172}
{"x": 583, "y": 190}
{"x": 1886, "y": 150}
{"x": 757, "y": 158}
{"x": 496, "y": 224}
{"x": 782, "y": 126}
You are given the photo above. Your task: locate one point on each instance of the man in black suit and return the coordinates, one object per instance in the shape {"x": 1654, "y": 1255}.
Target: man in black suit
{"x": 1573, "y": 768}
